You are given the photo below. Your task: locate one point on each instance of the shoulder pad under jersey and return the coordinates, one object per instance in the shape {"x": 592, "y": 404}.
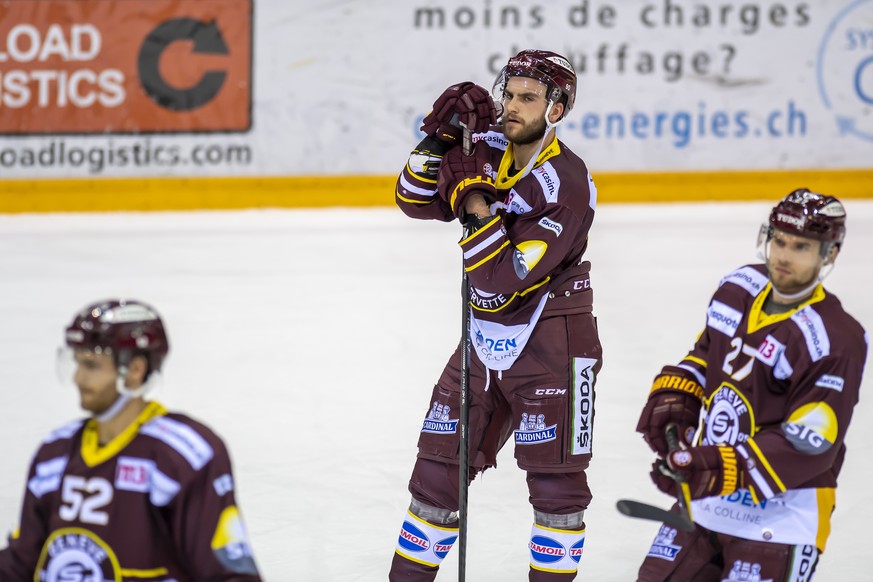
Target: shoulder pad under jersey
{"x": 750, "y": 277}
{"x": 65, "y": 432}
{"x": 182, "y": 438}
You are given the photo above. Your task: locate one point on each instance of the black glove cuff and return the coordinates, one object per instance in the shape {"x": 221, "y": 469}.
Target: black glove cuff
{"x": 434, "y": 145}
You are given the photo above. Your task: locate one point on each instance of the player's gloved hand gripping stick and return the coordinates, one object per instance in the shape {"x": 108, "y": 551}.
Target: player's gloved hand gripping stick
{"x": 684, "y": 496}
{"x": 681, "y": 520}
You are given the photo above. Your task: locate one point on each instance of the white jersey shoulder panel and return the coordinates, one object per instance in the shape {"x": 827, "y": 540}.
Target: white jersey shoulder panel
{"x": 182, "y": 438}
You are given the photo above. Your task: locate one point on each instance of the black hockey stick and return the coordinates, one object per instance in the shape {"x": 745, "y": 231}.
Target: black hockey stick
{"x": 463, "y": 422}
{"x": 684, "y": 496}
{"x": 641, "y": 510}
{"x": 681, "y": 520}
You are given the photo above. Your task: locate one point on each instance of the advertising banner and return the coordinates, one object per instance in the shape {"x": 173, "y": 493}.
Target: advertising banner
{"x": 279, "y": 90}
{"x": 126, "y": 66}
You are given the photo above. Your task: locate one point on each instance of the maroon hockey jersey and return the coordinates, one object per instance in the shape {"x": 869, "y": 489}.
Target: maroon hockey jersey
{"x": 155, "y": 504}
{"x": 532, "y": 244}
{"x": 781, "y": 389}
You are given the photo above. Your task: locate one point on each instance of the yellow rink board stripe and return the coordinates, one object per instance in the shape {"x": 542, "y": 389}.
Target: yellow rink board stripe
{"x": 152, "y": 194}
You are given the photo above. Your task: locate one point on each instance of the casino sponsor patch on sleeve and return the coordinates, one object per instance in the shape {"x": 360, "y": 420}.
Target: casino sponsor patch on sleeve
{"x": 813, "y": 329}
{"x": 747, "y": 278}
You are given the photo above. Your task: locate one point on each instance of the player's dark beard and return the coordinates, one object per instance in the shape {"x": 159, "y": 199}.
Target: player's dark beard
{"x": 532, "y": 135}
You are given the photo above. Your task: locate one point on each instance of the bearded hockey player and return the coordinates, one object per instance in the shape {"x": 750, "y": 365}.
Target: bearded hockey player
{"x": 530, "y": 203}
{"x": 134, "y": 492}
{"x": 775, "y": 375}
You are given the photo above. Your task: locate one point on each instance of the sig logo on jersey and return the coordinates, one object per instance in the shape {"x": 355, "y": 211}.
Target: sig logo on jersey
{"x": 438, "y": 420}
{"x": 545, "y": 550}
{"x": 729, "y": 417}
{"x": 230, "y": 543}
{"x": 663, "y": 547}
{"x": 533, "y": 430}
{"x": 413, "y": 539}
{"x": 77, "y": 555}
{"x": 812, "y": 428}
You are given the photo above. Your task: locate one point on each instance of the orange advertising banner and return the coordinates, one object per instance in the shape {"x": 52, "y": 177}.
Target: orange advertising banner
{"x": 125, "y": 66}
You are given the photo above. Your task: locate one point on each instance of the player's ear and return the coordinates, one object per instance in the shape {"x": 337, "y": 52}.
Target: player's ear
{"x": 832, "y": 255}
{"x": 136, "y": 372}
{"x": 556, "y": 112}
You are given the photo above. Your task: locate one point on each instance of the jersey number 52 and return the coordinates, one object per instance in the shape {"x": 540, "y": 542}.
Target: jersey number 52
{"x": 84, "y": 498}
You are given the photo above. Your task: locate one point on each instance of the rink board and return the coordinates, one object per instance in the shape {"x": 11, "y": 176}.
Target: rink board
{"x": 116, "y": 194}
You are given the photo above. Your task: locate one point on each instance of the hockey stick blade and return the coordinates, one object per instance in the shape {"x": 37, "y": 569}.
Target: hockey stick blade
{"x": 640, "y": 510}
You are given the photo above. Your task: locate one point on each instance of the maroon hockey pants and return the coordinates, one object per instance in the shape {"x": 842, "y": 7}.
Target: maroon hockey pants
{"x": 707, "y": 556}
{"x": 545, "y": 402}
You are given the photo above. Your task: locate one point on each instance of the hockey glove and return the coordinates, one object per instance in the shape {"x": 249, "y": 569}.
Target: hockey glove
{"x": 709, "y": 470}
{"x": 461, "y": 175}
{"x": 675, "y": 398}
{"x": 465, "y": 103}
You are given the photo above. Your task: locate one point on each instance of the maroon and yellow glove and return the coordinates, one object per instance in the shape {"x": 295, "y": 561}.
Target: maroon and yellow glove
{"x": 461, "y": 175}
{"x": 676, "y": 398}
{"x": 465, "y": 103}
{"x": 709, "y": 470}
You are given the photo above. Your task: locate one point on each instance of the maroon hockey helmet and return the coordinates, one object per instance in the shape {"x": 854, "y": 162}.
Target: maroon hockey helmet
{"x": 812, "y": 215}
{"x": 123, "y": 328}
{"x": 549, "y": 68}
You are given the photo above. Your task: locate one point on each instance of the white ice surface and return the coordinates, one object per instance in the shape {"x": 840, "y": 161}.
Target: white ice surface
{"x": 311, "y": 339}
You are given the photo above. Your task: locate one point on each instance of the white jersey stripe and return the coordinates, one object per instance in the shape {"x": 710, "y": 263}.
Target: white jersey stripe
{"x": 65, "y": 432}
{"x": 495, "y": 236}
{"x": 48, "y": 476}
{"x": 700, "y": 377}
{"x": 182, "y": 438}
{"x": 756, "y": 475}
{"x": 749, "y": 279}
{"x": 415, "y": 189}
{"x": 811, "y": 325}
{"x": 162, "y": 488}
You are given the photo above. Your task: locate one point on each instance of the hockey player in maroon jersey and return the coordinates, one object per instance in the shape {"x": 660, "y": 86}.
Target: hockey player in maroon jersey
{"x": 530, "y": 203}
{"x": 775, "y": 375}
{"x": 134, "y": 492}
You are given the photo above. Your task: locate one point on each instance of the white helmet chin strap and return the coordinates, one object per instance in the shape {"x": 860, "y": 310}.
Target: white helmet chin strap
{"x": 791, "y": 298}
{"x": 126, "y": 394}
